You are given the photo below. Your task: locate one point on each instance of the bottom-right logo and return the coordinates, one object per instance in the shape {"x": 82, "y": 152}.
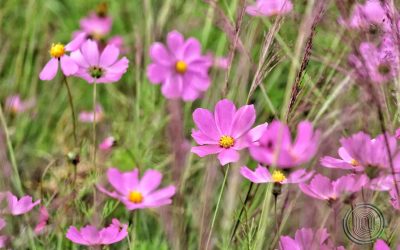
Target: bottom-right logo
{"x": 363, "y": 224}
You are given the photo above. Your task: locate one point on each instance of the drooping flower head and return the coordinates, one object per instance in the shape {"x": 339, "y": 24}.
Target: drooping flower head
{"x": 58, "y": 54}
{"x": 270, "y": 7}
{"x": 179, "y": 67}
{"x": 322, "y": 188}
{"x": 17, "y": 206}
{"x": 263, "y": 175}
{"x": 226, "y": 131}
{"x": 99, "y": 67}
{"x": 378, "y": 64}
{"x": 138, "y": 194}
{"x": 275, "y": 146}
{"x": 16, "y": 105}
{"x": 308, "y": 239}
{"x": 91, "y": 236}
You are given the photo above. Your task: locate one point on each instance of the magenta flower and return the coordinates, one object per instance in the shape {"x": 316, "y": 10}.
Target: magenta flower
{"x": 365, "y": 15}
{"x": 323, "y": 188}
{"x": 107, "y": 144}
{"x": 226, "y": 131}
{"x": 43, "y": 219}
{"x": 275, "y": 146}
{"x": 262, "y": 175}
{"x": 91, "y": 236}
{"x": 99, "y": 67}
{"x": 382, "y": 245}
{"x": 307, "y": 239}
{"x": 138, "y": 194}
{"x": 376, "y": 64}
{"x": 20, "y": 206}
{"x": 16, "y": 105}
{"x": 269, "y": 8}
{"x": 57, "y": 52}
{"x": 95, "y": 26}
{"x": 180, "y": 67}
{"x": 92, "y": 116}
{"x": 346, "y": 161}
{"x": 3, "y": 238}
{"x": 394, "y": 199}
{"x": 381, "y": 183}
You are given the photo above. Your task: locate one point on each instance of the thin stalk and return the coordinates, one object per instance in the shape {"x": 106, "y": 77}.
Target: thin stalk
{"x": 71, "y": 105}
{"x": 216, "y": 209}
{"x": 16, "y": 179}
{"x": 94, "y": 126}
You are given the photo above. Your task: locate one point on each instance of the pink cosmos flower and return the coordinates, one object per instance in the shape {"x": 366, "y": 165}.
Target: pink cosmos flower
{"x": 91, "y": 236}
{"x": 269, "y": 8}
{"x": 383, "y": 182}
{"x": 3, "y": 238}
{"x": 323, "y": 188}
{"x": 307, "y": 239}
{"x": 226, "y": 131}
{"x": 364, "y": 15}
{"x": 138, "y": 194}
{"x": 262, "y": 175}
{"x": 381, "y": 245}
{"x": 57, "y": 52}
{"x": 16, "y": 105}
{"x": 21, "y": 206}
{"x": 107, "y": 144}
{"x": 97, "y": 27}
{"x": 180, "y": 67}
{"x": 361, "y": 153}
{"x": 378, "y": 64}
{"x": 99, "y": 67}
{"x": 221, "y": 62}
{"x": 43, "y": 219}
{"x": 276, "y": 148}
{"x": 92, "y": 116}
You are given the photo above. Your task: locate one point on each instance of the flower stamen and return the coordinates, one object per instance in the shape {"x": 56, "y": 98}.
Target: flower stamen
{"x": 135, "y": 197}
{"x": 278, "y": 176}
{"x": 96, "y": 72}
{"x": 226, "y": 141}
{"x": 181, "y": 67}
{"x": 57, "y": 50}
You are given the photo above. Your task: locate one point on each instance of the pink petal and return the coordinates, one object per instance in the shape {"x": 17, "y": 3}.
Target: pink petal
{"x": 68, "y": 65}
{"x": 206, "y": 150}
{"x": 157, "y": 73}
{"x": 90, "y": 52}
{"x": 224, "y": 113}
{"x": 256, "y": 132}
{"x": 76, "y": 43}
{"x": 75, "y": 236}
{"x": 90, "y": 234}
{"x": 203, "y": 139}
{"x": 172, "y": 87}
{"x": 50, "y": 70}
{"x": 189, "y": 93}
{"x": 243, "y": 120}
{"x": 228, "y": 156}
{"x": 159, "y": 54}
{"x": 204, "y": 120}
{"x": 109, "y": 55}
{"x": 150, "y": 181}
{"x": 175, "y": 40}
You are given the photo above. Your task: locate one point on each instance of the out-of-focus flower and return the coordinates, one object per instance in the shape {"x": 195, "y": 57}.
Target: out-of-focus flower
{"x": 361, "y": 153}
{"x": 382, "y": 245}
{"x": 397, "y": 134}
{"x": 226, "y": 131}
{"x": 180, "y": 67}
{"x": 269, "y": 8}
{"x": 3, "y": 238}
{"x": 99, "y": 67}
{"x": 307, "y": 239}
{"x": 276, "y": 148}
{"x": 16, "y": 105}
{"x": 91, "y": 236}
{"x": 107, "y": 144}
{"x": 365, "y": 15}
{"x": 17, "y": 206}
{"x": 394, "y": 199}
{"x": 43, "y": 218}
{"x": 322, "y": 188}
{"x": 220, "y": 62}
{"x": 262, "y": 175}
{"x": 138, "y": 194}
{"x": 95, "y": 26}
{"x": 378, "y": 64}
{"x": 57, "y": 52}
{"x": 382, "y": 182}
{"x": 92, "y": 116}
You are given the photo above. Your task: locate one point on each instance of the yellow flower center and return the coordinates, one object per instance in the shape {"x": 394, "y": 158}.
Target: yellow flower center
{"x": 226, "y": 141}
{"x": 354, "y": 163}
{"x": 181, "y": 67}
{"x": 57, "y": 50}
{"x": 135, "y": 197}
{"x": 278, "y": 176}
